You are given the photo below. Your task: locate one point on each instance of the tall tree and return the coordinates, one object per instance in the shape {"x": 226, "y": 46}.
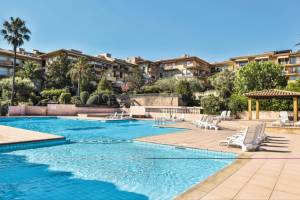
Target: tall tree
{"x": 56, "y": 72}
{"x": 223, "y": 82}
{"x": 33, "y": 71}
{"x": 135, "y": 79}
{"x": 15, "y": 33}
{"x": 80, "y": 70}
{"x": 259, "y": 76}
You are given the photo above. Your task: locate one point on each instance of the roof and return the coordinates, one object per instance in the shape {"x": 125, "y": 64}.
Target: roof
{"x": 253, "y": 56}
{"x": 74, "y": 53}
{"x": 183, "y": 58}
{"x": 272, "y": 93}
{"x": 19, "y": 55}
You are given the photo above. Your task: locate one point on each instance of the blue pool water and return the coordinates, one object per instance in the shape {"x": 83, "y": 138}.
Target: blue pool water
{"x": 102, "y": 163}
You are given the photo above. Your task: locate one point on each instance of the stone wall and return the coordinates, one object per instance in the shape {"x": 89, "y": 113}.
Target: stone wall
{"x": 190, "y": 113}
{"x": 57, "y": 110}
{"x": 264, "y": 115}
{"x": 157, "y": 100}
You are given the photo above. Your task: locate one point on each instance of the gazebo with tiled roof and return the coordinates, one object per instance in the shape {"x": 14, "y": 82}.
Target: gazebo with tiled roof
{"x": 272, "y": 94}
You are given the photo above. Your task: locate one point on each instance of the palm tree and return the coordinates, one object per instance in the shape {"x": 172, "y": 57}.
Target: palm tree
{"x": 80, "y": 70}
{"x": 15, "y": 33}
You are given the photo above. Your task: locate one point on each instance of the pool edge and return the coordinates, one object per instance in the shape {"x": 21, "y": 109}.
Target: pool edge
{"x": 204, "y": 187}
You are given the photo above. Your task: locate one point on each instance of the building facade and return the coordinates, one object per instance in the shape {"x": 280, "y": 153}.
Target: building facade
{"x": 290, "y": 60}
{"x": 7, "y": 59}
{"x": 185, "y": 67}
{"x": 118, "y": 70}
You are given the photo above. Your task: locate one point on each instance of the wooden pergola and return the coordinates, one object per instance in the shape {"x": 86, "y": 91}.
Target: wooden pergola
{"x": 272, "y": 94}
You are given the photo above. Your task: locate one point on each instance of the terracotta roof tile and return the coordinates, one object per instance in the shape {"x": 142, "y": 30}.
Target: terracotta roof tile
{"x": 272, "y": 93}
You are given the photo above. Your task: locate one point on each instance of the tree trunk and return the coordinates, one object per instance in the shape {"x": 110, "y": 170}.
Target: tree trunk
{"x": 78, "y": 89}
{"x": 13, "y": 78}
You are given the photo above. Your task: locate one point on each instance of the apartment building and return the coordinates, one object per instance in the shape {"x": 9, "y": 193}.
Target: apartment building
{"x": 7, "y": 59}
{"x": 290, "y": 60}
{"x": 120, "y": 70}
{"x": 117, "y": 70}
{"x": 185, "y": 67}
{"x": 151, "y": 70}
{"x": 99, "y": 64}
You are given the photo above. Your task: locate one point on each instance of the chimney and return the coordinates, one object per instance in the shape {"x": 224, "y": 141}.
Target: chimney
{"x": 21, "y": 50}
{"x": 106, "y": 55}
{"x": 184, "y": 56}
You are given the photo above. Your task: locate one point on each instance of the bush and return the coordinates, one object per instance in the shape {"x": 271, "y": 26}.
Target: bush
{"x": 4, "y": 108}
{"x": 84, "y": 96}
{"x": 184, "y": 90}
{"x": 105, "y": 98}
{"x": 112, "y": 101}
{"x": 52, "y": 94}
{"x": 103, "y": 85}
{"x": 150, "y": 89}
{"x": 23, "y": 89}
{"x": 167, "y": 85}
{"x": 93, "y": 100}
{"x": 65, "y": 98}
{"x": 237, "y": 103}
{"x": 76, "y": 100}
{"x": 198, "y": 85}
{"x": 212, "y": 104}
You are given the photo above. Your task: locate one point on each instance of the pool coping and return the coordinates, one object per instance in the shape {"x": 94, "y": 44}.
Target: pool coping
{"x": 207, "y": 185}
{"x": 34, "y": 136}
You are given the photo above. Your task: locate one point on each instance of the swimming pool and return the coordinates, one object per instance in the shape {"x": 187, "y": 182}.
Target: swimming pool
{"x": 102, "y": 162}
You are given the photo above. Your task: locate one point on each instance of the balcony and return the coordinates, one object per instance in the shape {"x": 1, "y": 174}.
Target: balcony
{"x": 6, "y": 63}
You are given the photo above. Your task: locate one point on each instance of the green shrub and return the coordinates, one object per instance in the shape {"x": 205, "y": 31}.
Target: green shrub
{"x": 52, "y": 94}
{"x": 76, "y": 100}
{"x": 167, "y": 85}
{"x": 212, "y": 104}
{"x": 198, "y": 85}
{"x": 184, "y": 90}
{"x": 84, "y": 96}
{"x": 150, "y": 89}
{"x": 104, "y": 85}
{"x": 112, "y": 101}
{"x": 23, "y": 89}
{"x": 4, "y": 107}
{"x": 237, "y": 103}
{"x": 93, "y": 100}
{"x": 105, "y": 98}
{"x": 65, "y": 98}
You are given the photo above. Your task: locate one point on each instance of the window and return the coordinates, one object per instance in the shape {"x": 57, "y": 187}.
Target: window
{"x": 283, "y": 61}
{"x": 121, "y": 74}
{"x": 242, "y": 63}
{"x": 3, "y": 71}
{"x": 294, "y": 77}
{"x": 294, "y": 60}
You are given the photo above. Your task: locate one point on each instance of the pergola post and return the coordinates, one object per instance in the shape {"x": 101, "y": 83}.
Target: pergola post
{"x": 249, "y": 109}
{"x": 257, "y": 109}
{"x": 295, "y": 100}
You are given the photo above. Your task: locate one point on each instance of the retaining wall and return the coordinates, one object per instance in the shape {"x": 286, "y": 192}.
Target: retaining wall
{"x": 57, "y": 110}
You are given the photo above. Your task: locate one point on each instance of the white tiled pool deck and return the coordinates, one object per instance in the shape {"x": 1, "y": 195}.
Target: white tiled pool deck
{"x": 10, "y": 135}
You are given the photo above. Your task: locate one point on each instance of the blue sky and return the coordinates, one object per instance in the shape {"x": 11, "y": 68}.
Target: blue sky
{"x": 214, "y": 30}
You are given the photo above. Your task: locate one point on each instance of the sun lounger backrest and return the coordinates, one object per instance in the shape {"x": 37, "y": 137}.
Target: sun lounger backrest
{"x": 228, "y": 113}
{"x": 284, "y": 116}
{"x": 223, "y": 113}
{"x": 245, "y": 135}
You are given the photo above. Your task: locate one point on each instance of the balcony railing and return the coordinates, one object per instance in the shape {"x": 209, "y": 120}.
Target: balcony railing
{"x": 6, "y": 63}
{"x": 171, "y": 110}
